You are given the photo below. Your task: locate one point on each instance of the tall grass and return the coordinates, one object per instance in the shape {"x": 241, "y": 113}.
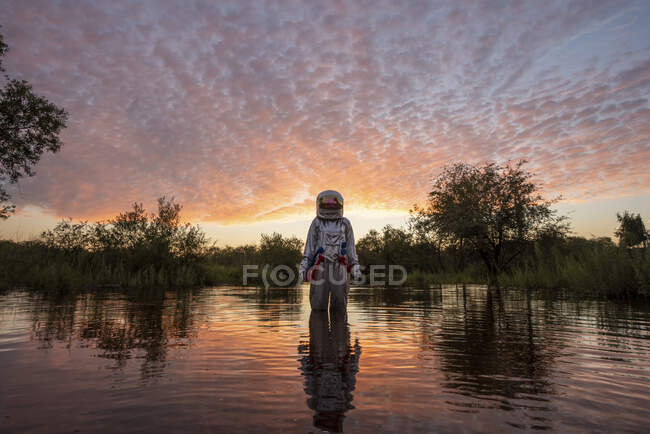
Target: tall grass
{"x": 36, "y": 265}
{"x": 140, "y": 250}
{"x": 134, "y": 250}
{"x": 473, "y": 273}
{"x": 582, "y": 266}
{"x": 596, "y": 267}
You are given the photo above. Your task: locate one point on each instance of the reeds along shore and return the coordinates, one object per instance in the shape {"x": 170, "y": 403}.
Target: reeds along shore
{"x": 137, "y": 249}
{"x": 72, "y": 256}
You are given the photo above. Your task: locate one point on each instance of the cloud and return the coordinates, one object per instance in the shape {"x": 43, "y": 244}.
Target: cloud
{"x": 246, "y": 110}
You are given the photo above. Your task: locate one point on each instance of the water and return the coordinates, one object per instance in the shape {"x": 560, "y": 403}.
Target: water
{"x": 223, "y": 359}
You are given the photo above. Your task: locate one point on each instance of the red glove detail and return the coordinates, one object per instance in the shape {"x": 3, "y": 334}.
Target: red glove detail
{"x": 343, "y": 260}
{"x": 320, "y": 259}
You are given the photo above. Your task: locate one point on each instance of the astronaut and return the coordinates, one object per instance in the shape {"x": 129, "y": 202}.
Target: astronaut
{"x": 329, "y": 254}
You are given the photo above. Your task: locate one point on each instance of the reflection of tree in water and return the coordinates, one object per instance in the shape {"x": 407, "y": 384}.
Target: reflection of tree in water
{"x": 373, "y": 297}
{"x": 496, "y": 349}
{"x": 118, "y": 324}
{"x": 614, "y": 323}
{"x": 272, "y": 304}
{"x": 329, "y": 365}
{"x": 394, "y": 305}
{"x": 54, "y": 317}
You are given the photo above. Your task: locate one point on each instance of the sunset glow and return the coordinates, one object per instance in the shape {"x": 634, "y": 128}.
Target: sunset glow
{"x": 244, "y": 111}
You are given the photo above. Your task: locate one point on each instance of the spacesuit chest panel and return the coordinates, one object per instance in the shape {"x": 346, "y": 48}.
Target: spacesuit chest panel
{"x": 332, "y": 235}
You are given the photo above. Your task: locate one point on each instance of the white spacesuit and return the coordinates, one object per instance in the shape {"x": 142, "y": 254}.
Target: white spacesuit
{"x": 329, "y": 254}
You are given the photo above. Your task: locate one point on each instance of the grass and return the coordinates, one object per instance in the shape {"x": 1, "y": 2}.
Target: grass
{"x": 586, "y": 267}
{"x": 470, "y": 274}
{"x": 600, "y": 269}
{"x": 36, "y": 266}
{"x": 583, "y": 267}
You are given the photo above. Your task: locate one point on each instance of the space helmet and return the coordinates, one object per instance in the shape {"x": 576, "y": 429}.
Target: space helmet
{"x": 329, "y": 205}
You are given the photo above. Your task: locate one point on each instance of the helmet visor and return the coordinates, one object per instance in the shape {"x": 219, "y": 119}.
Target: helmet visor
{"x": 330, "y": 202}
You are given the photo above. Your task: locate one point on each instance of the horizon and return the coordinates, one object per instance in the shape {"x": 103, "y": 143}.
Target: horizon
{"x": 247, "y": 113}
{"x": 31, "y": 225}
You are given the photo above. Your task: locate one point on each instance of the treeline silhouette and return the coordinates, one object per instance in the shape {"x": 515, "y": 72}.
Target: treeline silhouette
{"x": 137, "y": 249}
{"x": 595, "y": 266}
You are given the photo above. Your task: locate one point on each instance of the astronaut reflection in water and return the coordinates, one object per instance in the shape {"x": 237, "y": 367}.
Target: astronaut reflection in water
{"x": 329, "y": 365}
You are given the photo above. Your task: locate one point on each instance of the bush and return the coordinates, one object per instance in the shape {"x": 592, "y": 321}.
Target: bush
{"x": 134, "y": 250}
{"x": 595, "y": 266}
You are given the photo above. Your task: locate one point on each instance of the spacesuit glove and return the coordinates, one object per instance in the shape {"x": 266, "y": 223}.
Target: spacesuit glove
{"x": 356, "y": 272}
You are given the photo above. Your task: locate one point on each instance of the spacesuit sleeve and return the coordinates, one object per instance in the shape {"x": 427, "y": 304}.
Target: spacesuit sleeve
{"x": 352, "y": 259}
{"x": 310, "y": 247}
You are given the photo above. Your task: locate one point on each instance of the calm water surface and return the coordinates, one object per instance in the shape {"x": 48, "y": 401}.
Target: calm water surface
{"x": 235, "y": 359}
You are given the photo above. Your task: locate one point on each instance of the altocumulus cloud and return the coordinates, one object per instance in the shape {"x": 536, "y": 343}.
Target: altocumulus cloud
{"x": 244, "y": 110}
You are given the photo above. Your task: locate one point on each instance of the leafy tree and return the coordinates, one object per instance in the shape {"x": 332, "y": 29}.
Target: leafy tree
{"x": 390, "y": 246}
{"x": 427, "y": 245}
{"x": 497, "y": 210}
{"x": 127, "y": 230}
{"x": 69, "y": 236}
{"x": 29, "y": 126}
{"x": 631, "y": 230}
{"x": 275, "y": 250}
{"x": 369, "y": 248}
{"x": 158, "y": 238}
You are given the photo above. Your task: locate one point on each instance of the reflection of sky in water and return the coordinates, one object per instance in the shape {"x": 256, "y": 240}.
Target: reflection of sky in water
{"x": 254, "y": 359}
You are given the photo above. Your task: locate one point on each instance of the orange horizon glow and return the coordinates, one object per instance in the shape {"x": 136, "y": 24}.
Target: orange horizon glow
{"x": 245, "y": 114}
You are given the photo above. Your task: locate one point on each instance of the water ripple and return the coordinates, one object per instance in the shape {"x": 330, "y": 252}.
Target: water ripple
{"x": 452, "y": 358}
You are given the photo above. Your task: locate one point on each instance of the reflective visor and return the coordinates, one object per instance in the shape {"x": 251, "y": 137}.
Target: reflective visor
{"x": 330, "y": 201}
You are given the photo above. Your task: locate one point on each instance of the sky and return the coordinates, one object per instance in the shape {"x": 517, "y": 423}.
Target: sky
{"x": 244, "y": 111}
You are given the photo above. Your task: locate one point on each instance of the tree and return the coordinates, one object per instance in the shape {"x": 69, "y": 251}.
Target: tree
{"x": 390, "y": 246}
{"x": 159, "y": 238}
{"x": 497, "y": 210}
{"x": 631, "y": 230}
{"x": 29, "y": 126}
{"x": 275, "y": 250}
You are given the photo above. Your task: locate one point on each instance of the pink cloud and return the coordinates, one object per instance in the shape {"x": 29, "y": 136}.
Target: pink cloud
{"x": 245, "y": 113}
